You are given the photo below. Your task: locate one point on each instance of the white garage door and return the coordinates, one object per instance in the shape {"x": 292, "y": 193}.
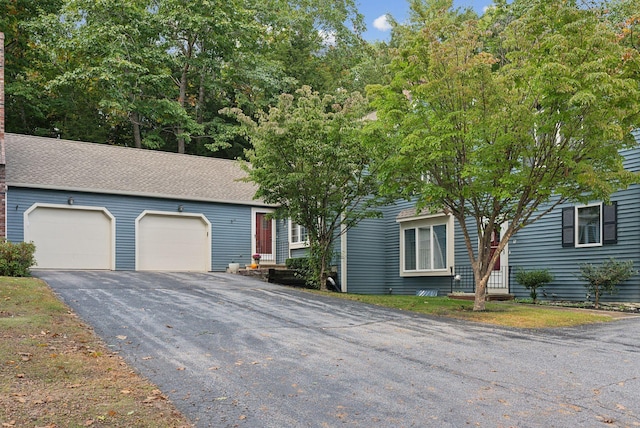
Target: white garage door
{"x": 70, "y": 238}
{"x": 173, "y": 242}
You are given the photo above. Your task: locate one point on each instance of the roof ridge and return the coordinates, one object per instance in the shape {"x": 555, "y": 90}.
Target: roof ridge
{"x": 49, "y": 163}
{"x": 117, "y": 147}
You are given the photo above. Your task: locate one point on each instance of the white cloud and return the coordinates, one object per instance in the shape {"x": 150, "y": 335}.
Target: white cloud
{"x": 381, "y": 23}
{"x": 328, "y": 37}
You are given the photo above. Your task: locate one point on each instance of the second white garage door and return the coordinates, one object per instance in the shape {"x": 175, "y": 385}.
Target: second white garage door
{"x": 173, "y": 242}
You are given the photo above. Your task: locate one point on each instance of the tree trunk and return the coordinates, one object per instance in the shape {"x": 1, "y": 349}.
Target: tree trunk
{"x": 323, "y": 270}
{"x": 180, "y": 141}
{"x": 323, "y": 255}
{"x": 479, "y": 303}
{"x": 201, "y": 96}
{"x": 323, "y": 279}
{"x": 182, "y": 98}
{"x": 135, "y": 122}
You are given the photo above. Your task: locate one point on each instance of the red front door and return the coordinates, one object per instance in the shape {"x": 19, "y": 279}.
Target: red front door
{"x": 264, "y": 235}
{"x": 495, "y": 241}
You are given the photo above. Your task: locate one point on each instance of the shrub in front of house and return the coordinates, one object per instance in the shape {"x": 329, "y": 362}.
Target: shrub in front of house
{"x": 16, "y": 258}
{"x": 534, "y": 279}
{"x": 302, "y": 268}
{"x": 606, "y": 277}
{"x": 298, "y": 263}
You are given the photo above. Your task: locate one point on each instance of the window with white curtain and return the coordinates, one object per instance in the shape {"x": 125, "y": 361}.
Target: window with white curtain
{"x": 425, "y": 247}
{"x": 589, "y": 228}
{"x": 298, "y": 236}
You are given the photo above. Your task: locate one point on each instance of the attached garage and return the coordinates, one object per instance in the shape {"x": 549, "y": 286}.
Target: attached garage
{"x": 68, "y": 237}
{"x": 98, "y": 206}
{"x": 173, "y": 242}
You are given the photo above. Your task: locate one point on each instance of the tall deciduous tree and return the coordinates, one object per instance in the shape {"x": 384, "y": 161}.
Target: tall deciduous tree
{"x": 155, "y": 73}
{"x": 506, "y": 116}
{"x": 26, "y": 102}
{"x": 309, "y": 160}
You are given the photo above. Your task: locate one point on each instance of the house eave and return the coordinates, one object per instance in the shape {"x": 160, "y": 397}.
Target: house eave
{"x": 421, "y": 216}
{"x": 255, "y": 203}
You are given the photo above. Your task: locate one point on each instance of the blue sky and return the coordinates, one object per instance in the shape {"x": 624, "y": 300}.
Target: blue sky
{"x": 399, "y": 9}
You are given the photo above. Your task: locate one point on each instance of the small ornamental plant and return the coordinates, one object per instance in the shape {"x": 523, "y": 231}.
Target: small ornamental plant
{"x": 534, "y": 279}
{"x": 606, "y": 277}
{"x": 257, "y": 257}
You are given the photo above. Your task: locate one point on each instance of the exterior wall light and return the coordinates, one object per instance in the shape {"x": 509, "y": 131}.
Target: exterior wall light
{"x": 180, "y": 208}
{"x": 70, "y": 200}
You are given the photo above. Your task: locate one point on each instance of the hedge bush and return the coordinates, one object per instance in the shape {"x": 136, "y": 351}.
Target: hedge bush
{"x": 16, "y": 258}
{"x": 300, "y": 263}
{"x": 534, "y": 279}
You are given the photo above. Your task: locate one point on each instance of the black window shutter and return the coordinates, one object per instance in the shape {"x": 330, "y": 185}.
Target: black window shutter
{"x": 568, "y": 231}
{"x": 610, "y": 224}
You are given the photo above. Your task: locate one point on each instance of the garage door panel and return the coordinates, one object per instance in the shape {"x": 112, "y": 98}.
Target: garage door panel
{"x": 67, "y": 238}
{"x": 173, "y": 243}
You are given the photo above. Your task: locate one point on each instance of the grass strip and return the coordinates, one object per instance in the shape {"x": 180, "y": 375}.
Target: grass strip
{"x": 55, "y": 372}
{"x": 506, "y": 314}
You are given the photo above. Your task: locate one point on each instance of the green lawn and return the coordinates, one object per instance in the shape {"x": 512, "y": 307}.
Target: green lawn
{"x": 509, "y": 314}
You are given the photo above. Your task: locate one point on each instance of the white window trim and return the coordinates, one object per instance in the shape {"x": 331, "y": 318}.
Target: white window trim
{"x": 422, "y": 221}
{"x": 577, "y": 226}
{"x": 296, "y": 245}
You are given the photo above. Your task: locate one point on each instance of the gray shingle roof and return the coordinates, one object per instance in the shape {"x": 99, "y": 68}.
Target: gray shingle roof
{"x": 50, "y": 163}
{"x": 411, "y": 213}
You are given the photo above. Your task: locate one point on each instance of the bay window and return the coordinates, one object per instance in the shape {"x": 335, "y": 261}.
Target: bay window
{"x": 426, "y": 246}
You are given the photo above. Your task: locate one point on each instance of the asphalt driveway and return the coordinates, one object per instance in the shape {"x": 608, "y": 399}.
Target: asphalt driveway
{"x": 233, "y": 351}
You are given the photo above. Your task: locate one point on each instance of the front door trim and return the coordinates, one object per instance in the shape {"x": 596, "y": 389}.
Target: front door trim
{"x": 266, "y": 258}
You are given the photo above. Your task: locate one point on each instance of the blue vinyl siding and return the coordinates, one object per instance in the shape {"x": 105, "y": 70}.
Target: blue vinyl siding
{"x": 539, "y": 246}
{"x": 366, "y": 265}
{"x": 230, "y": 224}
{"x": 373, "y": 251}
{"x": 373, "y": 254}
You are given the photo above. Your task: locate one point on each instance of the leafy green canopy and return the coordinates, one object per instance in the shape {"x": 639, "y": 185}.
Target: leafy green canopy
{"x": 155, "y": 73}
{"x": 500, "y": 113}
{"x": 309, "y": 160}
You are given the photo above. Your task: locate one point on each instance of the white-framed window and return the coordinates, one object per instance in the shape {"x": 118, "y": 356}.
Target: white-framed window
{"x": 589, "y": 226}
{"x": 298, "y": 236}
{"x": 426, "y": 245}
